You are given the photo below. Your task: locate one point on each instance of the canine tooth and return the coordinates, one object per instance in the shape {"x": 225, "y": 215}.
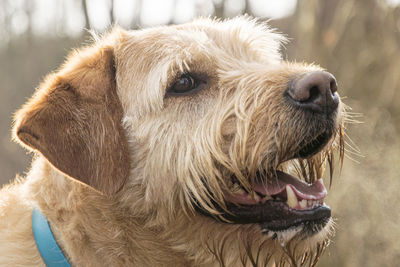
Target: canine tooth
{"x": 303, "y": 204}
{"x": 291, "y": 197}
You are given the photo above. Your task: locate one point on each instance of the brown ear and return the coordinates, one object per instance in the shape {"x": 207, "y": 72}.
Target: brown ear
{"x": 74, "y": 120}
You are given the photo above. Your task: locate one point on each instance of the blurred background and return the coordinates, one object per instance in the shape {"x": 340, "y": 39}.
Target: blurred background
{"x": 357, "y": 40}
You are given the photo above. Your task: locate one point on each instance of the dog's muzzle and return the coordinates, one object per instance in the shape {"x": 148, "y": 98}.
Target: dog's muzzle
{"x": 280, "y": 201}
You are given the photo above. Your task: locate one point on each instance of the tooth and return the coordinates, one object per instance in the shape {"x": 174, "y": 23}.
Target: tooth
{"x": 315, "y": 203}
{"x": 291, "y": 197}
{"x": 303, "y": 204}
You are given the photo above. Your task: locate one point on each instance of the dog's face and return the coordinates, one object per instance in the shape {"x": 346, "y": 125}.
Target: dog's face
{"x": 201, "y": 124}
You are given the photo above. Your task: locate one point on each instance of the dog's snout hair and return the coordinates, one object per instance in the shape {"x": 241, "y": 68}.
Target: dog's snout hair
{"x": 141, "y": 134}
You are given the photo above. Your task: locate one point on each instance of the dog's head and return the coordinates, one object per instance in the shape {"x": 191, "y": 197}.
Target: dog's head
{"x": 200, "y": 124}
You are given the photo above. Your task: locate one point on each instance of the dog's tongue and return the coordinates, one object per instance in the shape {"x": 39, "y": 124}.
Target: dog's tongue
{"x": 303, "y": 190}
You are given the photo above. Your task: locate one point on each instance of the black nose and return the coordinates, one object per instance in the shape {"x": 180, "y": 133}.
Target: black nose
{"x": 315, "y": 91}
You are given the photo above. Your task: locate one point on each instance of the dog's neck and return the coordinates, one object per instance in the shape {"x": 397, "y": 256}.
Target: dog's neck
{"x": 93, "y": 229}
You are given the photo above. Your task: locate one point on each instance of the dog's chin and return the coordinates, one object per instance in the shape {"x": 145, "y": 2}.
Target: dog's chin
{"x": 282, "y": 206}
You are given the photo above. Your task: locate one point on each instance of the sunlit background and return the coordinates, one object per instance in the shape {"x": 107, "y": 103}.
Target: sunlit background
{"x": 357, "y": 40}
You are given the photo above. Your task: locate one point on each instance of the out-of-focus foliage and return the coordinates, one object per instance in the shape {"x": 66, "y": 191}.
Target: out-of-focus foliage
{"x": 359, "y": 42}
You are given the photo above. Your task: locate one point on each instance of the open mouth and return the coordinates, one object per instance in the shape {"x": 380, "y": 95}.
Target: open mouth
{"x": 280, "y": 201}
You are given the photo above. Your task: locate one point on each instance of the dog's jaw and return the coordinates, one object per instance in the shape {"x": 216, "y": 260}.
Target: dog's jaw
{"x": 239, "y": 245}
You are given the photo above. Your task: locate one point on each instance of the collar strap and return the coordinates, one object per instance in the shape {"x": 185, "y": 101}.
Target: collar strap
{"x": 45, "y": 241}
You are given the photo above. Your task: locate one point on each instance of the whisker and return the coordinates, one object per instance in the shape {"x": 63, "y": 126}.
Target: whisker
{"x": 352, "y": 159}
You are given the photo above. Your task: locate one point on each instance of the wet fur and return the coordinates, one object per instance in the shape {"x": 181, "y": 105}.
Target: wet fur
{"x": 148, "y": 157}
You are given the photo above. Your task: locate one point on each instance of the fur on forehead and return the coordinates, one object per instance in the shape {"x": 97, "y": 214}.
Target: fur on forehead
{"x": 149, "y": 60}
{"x": 249, "y": 39}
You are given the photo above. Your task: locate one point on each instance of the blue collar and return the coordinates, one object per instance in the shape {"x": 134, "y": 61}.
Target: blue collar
{"x": 45, "y": 241}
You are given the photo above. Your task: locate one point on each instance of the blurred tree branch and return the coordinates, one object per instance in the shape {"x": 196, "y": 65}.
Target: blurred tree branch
{"x": 86, "y": 14}
{"x": 136, "y": 15}
{"x": 28, "y": 11}
{"x": 219, "y": 9}
{"x": 111, "y": 12}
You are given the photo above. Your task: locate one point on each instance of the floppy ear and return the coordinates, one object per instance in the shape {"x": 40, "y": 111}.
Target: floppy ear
{"x": 74, "y": 120}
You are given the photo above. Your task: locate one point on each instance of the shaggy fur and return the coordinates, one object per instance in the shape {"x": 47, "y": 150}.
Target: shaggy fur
{"x": 118, "y": 163}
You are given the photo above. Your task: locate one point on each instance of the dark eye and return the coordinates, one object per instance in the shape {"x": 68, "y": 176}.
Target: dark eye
{"x": 184, "y": 84}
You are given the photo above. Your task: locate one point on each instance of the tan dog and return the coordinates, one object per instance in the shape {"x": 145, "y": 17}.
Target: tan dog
{"x": 172, "y": 146}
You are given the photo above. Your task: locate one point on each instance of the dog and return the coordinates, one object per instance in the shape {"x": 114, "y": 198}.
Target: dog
{"x": 182, "y": 145}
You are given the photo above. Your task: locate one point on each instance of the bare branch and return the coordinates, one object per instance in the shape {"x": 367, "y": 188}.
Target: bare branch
{"x": 86, "y": 14}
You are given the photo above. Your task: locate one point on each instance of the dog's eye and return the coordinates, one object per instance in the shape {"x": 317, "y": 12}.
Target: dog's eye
{"x": 183, "y": 85}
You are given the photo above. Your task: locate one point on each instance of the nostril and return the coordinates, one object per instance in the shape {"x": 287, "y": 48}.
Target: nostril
{"x": 333, "y": 85}
{"x": 314, "y": 94}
